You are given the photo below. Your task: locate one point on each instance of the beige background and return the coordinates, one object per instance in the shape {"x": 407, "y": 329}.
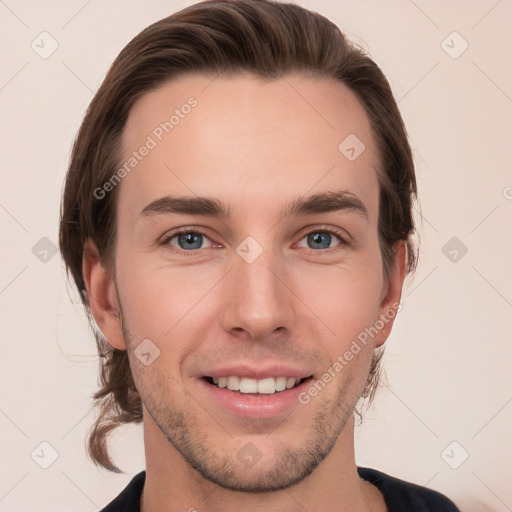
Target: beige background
{"x": 448, "y": 360}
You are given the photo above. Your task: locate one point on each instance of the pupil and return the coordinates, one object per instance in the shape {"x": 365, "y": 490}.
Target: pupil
{"x": 320, "y": 240}
{"x": 190, "y": 241}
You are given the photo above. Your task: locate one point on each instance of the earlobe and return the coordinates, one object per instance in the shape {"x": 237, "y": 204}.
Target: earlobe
{"x": 392, "y": 292}
{"x": 102, "y": 296}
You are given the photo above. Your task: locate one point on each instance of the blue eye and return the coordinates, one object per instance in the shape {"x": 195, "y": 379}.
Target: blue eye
{"x": 321, "y": 240}
{"x": 188, "y": 241}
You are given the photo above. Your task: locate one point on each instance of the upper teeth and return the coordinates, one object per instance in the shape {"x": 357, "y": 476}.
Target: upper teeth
{"x": 267, "y": 386}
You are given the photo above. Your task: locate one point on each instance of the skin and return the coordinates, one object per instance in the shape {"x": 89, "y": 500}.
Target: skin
{"x": 255, "y": 145}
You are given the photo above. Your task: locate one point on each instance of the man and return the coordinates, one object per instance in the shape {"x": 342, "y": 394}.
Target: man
{"x": 237, "y": 219}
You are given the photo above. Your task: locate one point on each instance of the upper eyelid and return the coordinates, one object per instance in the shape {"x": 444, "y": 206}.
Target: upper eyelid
{"x": 184, "y": 230}
{"x": 339, "y": 232}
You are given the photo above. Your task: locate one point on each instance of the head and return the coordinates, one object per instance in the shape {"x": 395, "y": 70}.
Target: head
{"x": 246, "y": 103}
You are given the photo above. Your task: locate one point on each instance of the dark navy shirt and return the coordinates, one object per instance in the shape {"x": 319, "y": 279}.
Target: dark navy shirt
{"x": 400, "y": 496}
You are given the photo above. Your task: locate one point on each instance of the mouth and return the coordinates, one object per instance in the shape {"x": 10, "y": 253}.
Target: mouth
{"x": 266, "y": 397}
{"x": 256, "y": 387}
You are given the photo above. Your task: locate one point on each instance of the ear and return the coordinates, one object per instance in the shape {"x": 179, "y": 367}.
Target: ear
{"x": 102, "y": 296}
{"x": 391, "y": 293}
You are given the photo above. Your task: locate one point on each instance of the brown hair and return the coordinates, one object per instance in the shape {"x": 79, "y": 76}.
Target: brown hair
{"x": 267, "y": 39}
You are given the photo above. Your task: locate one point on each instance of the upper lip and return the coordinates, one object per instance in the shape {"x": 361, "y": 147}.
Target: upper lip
{"x": 252, "y": 372}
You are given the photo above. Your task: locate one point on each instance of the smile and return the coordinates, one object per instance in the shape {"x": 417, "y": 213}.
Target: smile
{"x": 245, "y": 385}
{"x": 245, "y": 397}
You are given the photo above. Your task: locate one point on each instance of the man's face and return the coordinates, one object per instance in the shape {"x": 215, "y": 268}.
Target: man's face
{"x": 288, "y": 300}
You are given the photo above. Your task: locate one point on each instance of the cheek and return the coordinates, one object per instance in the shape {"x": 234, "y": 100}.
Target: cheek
{"x": 344, "y": 297}
{"x": 158, "y": 301}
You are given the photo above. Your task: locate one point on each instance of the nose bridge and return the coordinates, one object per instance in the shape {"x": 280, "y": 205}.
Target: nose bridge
{"x": 258, "y": 302}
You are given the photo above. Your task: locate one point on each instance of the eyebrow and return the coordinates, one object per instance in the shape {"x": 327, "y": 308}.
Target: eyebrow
{"x": 186, "y": 206}
{"x": 211, "y": 207}
{"x": 326, "y": 202}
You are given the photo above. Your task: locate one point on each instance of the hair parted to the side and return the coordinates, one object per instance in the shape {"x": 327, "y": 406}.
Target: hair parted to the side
{"x": 267, "y": 39}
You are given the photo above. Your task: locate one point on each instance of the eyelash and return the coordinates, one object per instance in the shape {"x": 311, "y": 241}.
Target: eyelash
{"x": 196, "y": 231}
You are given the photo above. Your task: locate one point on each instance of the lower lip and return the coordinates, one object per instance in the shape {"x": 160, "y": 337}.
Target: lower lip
{"x": 251, "y": 406}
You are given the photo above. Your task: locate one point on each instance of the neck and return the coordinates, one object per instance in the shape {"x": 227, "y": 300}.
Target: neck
{"x": 172, "y": 485}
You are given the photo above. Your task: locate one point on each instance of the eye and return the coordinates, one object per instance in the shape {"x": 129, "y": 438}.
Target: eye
{"x": 188, "y": 240}
{"x": 321, "y": 239}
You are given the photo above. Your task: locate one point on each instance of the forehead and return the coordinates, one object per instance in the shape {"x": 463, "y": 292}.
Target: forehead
{"x": 242, "y": 139}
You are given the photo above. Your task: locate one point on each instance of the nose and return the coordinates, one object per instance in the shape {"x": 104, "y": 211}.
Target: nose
{"x": 258, "y": 301}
